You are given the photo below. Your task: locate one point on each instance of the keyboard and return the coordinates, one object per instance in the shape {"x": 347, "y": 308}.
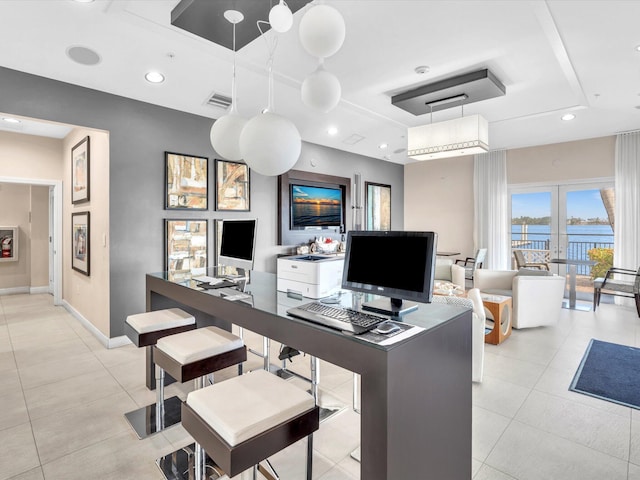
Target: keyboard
{"x": 343, "y": 319}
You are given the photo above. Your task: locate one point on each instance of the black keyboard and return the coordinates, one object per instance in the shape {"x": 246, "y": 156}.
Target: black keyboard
{"x": 343, "y": 319}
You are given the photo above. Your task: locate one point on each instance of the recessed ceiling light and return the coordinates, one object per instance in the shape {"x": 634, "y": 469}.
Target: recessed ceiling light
{"x": 568, "y": 116}
{"x": 11, "y": 120}
{"x": 332, "y": 131}
{"x": 154, "y": 77}
{"x": 382, "y": 146}
{"x": 421, "y": 70}
{"x": 638, "y": 48}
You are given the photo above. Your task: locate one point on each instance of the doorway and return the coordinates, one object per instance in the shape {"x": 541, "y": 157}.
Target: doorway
{"x": 55, "y": 231}
{"x": 572, "y": 221}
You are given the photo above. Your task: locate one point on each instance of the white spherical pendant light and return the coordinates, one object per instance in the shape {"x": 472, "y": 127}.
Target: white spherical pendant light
{"x": 321, "y": 90}
{"x": 225, "y": 136}
{"x": 270, "y": 144}
{"x": 225, "y": 132}
{"x": 280, "y": 17}
{"x": 322, "y": 31}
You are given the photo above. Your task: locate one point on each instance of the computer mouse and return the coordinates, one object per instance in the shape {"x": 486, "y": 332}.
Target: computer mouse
{"x": 387, "y": 327}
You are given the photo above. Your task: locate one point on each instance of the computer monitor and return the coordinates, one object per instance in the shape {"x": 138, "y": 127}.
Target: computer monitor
{"x": 396, "y": 265}
{"x": 237, "y": 243}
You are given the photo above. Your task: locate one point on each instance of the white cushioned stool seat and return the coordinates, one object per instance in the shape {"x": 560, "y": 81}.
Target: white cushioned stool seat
{"x": 242, "y": 407}
{"x": 160, "y": 320}
{"x": 194, "y": 345}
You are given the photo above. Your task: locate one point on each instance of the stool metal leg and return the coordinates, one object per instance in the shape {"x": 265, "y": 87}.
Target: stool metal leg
{"x": 156, "y": 417}
{"x": 199, "y": 463}
{"x": 159, "y": 398}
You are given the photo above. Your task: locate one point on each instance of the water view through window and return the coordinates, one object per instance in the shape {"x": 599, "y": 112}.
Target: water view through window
{"x": 567, "y": 223}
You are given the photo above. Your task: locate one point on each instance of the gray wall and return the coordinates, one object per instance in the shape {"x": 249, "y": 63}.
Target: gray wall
{"x": 140, "y": 133}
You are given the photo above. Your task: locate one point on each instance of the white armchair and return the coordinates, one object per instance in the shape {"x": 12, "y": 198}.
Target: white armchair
{"x": 448, "y": 271}
{"x": 536, "y": 294}
{"x": 474, "y": 302}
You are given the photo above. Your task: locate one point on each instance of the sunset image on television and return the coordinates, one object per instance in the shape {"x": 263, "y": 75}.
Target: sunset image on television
{"x": 315, "y": 206}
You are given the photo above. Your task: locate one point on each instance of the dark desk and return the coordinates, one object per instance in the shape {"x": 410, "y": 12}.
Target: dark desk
{"x": 572, "y": 263}
{"x": 416, "y": 394}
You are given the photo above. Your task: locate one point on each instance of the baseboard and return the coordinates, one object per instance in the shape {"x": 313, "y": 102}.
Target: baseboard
{"x": 14, "y": 290}
{"x": 36, "y": 290}
{"x": 102, "y": 338}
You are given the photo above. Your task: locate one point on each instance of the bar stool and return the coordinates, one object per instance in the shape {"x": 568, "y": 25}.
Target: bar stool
{"x": 194, "y": 355}
{"x": 246, "y": 419}
{"x": 144, "y": 330}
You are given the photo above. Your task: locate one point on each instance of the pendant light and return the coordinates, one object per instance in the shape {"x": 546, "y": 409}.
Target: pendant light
{"x": 270, "y": 143}
{"x": 322, "y": 31}
{"x": 281, "y": 17}
{"x": 321, "y": 90}
{"x": 225, "y": 132}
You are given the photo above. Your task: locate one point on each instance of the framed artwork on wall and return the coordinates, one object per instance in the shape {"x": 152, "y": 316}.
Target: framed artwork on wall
{"x": 186, "y": 247}
{"x": 186, "y": 182}
{"x": 80, "y": 161}
{"x": 378, "y": 206}
{"x": 233, "y": 186}
{"x": 80, "y": 235}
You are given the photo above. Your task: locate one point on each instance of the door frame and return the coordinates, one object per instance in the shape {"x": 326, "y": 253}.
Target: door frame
{"x": 56, "y": 185}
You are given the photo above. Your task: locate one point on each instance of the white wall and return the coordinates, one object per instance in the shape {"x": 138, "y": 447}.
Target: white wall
{"x": 89, "y": 295}
{"x": 39, "y": 238}
{"x": 14, "y": 212}
{"x": 438, "y": 196}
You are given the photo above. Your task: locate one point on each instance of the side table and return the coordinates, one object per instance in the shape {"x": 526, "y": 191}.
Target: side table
{"x": 498, "y": 308}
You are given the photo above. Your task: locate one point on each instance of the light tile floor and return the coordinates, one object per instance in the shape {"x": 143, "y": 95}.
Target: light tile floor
{"x": 63, "y": 395}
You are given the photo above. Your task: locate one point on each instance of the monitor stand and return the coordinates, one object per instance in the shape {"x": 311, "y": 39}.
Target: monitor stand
{"x": 394, "y": 307}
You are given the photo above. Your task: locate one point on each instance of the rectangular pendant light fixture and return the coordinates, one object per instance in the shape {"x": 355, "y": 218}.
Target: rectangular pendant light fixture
{"x": 461, "y": 136}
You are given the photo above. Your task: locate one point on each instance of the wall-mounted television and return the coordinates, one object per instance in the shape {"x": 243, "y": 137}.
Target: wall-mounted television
{"x": 314, "y": 206}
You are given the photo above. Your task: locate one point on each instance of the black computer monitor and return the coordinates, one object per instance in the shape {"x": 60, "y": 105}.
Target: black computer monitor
{"x": 237, "y": 243}
{"x": 396, "y": 265}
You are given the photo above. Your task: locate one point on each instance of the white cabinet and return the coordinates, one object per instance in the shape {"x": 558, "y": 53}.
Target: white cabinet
{"x": 8, "y": 244}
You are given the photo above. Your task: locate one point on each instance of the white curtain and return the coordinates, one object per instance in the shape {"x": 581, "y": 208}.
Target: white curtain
{"x": 626, "y": 239}
{"x": 491, "y": 209}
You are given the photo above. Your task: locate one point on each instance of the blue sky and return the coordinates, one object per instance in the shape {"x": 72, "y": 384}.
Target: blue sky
{"x": 582, "y": 203}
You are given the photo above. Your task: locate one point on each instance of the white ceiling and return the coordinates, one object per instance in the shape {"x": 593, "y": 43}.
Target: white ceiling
{"x": 553, "y": 57}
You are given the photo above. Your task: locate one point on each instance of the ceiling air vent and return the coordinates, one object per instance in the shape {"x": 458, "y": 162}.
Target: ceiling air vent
{"x": 220, "y": 101}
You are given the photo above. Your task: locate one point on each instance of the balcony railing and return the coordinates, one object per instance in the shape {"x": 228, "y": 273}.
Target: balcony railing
{"x": 538, "y": 251}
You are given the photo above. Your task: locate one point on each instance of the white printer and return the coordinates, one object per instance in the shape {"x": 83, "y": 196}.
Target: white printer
{"x": 313, "y": 276}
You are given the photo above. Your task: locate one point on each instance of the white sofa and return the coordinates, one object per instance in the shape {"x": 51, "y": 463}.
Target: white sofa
{"x": 536, "y": 294}
{"x": 448, "y": 271}
{"x": 474, "y": 302}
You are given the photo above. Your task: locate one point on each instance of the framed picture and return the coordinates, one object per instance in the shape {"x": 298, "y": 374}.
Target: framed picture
{"x": 186, "y": 243}
{"x": 186, "y": 182}
{"x": 80, "y": 162}
{"x": 80, "y": 234}
{"x": 378, "y": 206}
{"x": 232, "y": 186}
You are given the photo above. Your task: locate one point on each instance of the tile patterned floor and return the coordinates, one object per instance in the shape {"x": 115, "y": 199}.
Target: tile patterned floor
{"x": 63, "y": 396}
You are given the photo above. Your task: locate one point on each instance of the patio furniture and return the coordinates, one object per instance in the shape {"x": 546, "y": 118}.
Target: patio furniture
{"x": 627, "y": 286}
{"x": 521, "y": 262}
{"x": 573, "y": 263}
